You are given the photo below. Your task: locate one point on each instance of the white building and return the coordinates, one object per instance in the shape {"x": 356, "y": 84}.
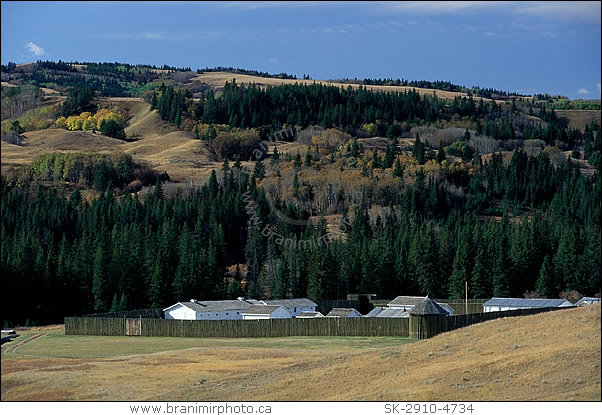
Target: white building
{"x": 504, "y": 304}
{"x": 208, "y": 310}
{"x": 296, "y": 306}
{"x": 265, "y": 312}
{"x": 407, "y": 303}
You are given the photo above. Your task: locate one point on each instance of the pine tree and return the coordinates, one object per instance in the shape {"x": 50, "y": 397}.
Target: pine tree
{"x": 388, "y": 161}
{"x": 259, "y": 170}
{"x": 308, "y": 159}
{"x": 466, "y": 136}
{"x": 275, "y": 155}
{"x": 546, "y": 281}
{"x": 282, "y": 280}
{"x": 462, "y": 266}
{"x": 565, "y": 262}
{"x": 397, "y": 169}
{"x": 101, "y": 283}
{"x": 297, "y": 162}
{"x": 480, "y": 279}
{"x": 418, "y": 150}
{"x": 500, "y": 277}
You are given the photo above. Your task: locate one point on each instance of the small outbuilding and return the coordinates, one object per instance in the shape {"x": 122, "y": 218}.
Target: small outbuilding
{"x": 505, "y": 304}
{"x": 407, "y": 303}
{"x": 427, "y": 319}
{"x": 265, "y": 312}
{"x": 344, "y": 313}
{"x": 428, "y": 307}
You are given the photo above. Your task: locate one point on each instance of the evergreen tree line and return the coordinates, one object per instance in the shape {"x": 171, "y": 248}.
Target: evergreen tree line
{"x": 252, "y": 72}
{"x": 440, "y": 85}
{"x": 249, "y": 106}
{"x": 63, "y": 256}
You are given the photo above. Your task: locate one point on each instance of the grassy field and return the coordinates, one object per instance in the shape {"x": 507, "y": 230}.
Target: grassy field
{"x": 550, "y": 356}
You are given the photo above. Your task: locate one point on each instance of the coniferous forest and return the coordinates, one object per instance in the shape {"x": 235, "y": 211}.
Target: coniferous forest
{"x": 510, "y": 227}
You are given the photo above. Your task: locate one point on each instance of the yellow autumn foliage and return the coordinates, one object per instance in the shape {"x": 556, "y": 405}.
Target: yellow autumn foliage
{"x": 87, "y": 121}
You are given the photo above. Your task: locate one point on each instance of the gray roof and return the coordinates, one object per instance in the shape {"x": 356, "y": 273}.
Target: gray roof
{"x": 216, "y": 306}
{"x": 375, "y": 312}
{"x": 523, "y": 302}
{"x": 394, "y": 313}
{"x": 293, "y": 302}
{"x": 406, "y": 300}
{"x": 587, "y": 300}
{"x": 427, "y": 307}
{"x": 310, "y": 314}
{"x": 261, "y": 309}
{"x": 341, "y": 312}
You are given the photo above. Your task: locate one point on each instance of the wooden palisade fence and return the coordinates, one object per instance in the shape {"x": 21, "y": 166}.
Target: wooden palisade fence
{"x": 417, "y": 327}
{"x": 101, "y": 326}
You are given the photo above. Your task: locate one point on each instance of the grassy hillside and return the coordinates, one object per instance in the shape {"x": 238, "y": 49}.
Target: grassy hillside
{"x": 551, "y": 356}
{"x": 218, "y": 79}
{"x": 158, "y": 143}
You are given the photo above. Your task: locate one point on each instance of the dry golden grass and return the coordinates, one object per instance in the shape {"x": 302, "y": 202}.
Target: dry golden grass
{"x": 579, "y": 118}
{"x": 550, "y": 356}
{"x": 55, "y": 140}
{"x": 218, "y": 79}
{"x": 162, "y": 145}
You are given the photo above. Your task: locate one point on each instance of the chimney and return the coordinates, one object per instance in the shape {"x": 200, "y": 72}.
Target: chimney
{"x": 192, "y": 300}
{"x": 241, "y": 298}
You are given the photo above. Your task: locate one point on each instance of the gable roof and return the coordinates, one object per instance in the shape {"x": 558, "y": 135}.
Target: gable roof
{"x": 428, "y": 307}
{"x": 525, "y": 302}
{"x": 405, "y": 300}
{"x": 215, "y": 306}
{"x": 341, "y": 312}
{"x": 293, "y": 302}
{"x": 262, "y": 309}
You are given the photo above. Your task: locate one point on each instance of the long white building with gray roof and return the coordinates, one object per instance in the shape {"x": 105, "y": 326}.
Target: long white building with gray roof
{"x": 209, "y": 310}
{"x": 232, "y": 309}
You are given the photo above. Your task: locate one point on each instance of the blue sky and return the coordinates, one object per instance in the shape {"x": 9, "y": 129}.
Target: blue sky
{"x": 528, "y": 47}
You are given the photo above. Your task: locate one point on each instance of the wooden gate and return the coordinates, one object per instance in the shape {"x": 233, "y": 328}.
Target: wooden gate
{"x": 133, "y": 326}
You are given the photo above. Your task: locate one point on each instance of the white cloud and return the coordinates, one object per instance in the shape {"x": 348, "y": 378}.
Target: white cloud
{"x": 34, "y": 49}
{"x": 598, "y": 86}
{"x": 273, "y": 60}
{"x": 490, "y": 34}
{"x": 583, "y": 91}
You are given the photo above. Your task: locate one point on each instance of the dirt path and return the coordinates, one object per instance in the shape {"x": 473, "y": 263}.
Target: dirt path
{"x": 12, "y": 349}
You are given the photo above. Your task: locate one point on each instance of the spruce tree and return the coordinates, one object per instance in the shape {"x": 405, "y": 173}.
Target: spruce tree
{"x": 101, "y": 283}
{"x": 462, "y": 265}
{"x": 545, "y": 286}
{"x": 397, "y": 169}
